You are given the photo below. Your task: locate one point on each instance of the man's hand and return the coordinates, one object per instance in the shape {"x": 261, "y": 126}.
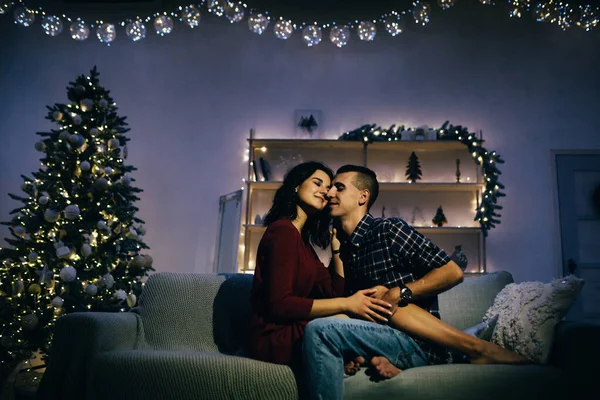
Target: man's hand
{"x": 364, "y": 306}
{"x": 380, "y": 291}
{"x": 392, "y": 296}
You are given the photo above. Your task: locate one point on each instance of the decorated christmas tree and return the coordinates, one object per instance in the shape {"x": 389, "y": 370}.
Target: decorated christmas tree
{"x": 413, "y": 168}
{"x": 75, "y": 242}
{"x": 439, "y": 219}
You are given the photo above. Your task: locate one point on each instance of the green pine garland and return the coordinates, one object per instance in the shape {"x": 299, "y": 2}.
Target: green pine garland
{"x": 486, "y": 213}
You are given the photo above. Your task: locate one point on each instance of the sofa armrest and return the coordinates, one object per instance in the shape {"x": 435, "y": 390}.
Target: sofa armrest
{"x": 78, "y": 337}
{"x": 576, "y": 349}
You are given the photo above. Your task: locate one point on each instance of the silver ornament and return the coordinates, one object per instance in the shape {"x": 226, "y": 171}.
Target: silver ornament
{"x": 339, "y": 35}
{"x": 94, "y": 131}
{"x": 51, "y": 215}
{"x": 125, "y": 180}
{"x": 30, "y": 322}
{"x": 366, "y": 31}
{"x": 79, "y": 89}
{"x": 421, "y": 13}
{"x": 283, "y": 29}
{"x": 76, "y": 119}
{"x": 33, "y": 256}
{"x": 141, "y": 230}
{"x": 85, "y": 166}
{"x": 163, "y": 25}
{"x": 19, "y": 230}
{"x": 234, "y": 12}
{"x": 91, "y": 290}
{"x": 191, "y": 16}
{"x": 131, "y": 300}
{"x": 103, "y": 103}
{"x": 52, "y": 25}
{"x": 57, "y": 115}
{"x": 312, "y": 35}
{"x": 77, "y": 140}
{"x": 63, "y": 252}
{"x": 135, "y": 30}
{"x": 86, "y": 105}
{"x": 446, "y": 4}
{"x": 24, "y": 16}
{"x": 102, "y": 227}
{"x": 43, "y": 200}
{"x": 108, "y": 170}
{"x": 64, "y": 135}
{"x": 113, "y": 143}
{"x": 79, "y": 30}
{"x": 58, "y": 302}
{"x": 106, "y": 33}
{"x": 39, "y": 146}
{"x": 216, "y": 7}
{"x": 72, "y": 211}
{"x": 257, "y": 23}
{"x": 68, "y": 274}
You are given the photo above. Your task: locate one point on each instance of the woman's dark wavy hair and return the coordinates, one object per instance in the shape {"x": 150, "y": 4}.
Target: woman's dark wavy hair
{"x": 316, "y": 229}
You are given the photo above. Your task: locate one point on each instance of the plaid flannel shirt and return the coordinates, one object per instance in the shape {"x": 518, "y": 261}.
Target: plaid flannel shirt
{"x": 390, "y": 252}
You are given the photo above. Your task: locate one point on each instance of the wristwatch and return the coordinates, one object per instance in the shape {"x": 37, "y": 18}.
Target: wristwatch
{"x": 405, "y": 295}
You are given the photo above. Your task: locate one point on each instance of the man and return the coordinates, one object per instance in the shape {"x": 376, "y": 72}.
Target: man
{"x": 388, "y": 254}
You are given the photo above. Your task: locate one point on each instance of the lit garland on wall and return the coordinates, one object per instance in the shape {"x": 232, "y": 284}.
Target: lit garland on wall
{"x": 550, "y": 11}
{"x": 486, "y": 212}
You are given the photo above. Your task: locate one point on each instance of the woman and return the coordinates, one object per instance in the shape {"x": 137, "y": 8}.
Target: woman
{"x": 291, "y": 286}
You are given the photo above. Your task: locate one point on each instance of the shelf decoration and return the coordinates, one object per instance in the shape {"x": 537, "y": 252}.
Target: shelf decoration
{"x": 413, "y": 168}
{"x": 487, "y": 211}
{"x": 458, "y": 170}
{"x": 439, "y": 219}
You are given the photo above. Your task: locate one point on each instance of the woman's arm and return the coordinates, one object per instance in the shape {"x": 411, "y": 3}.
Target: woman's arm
{"x": 360, "y": 305}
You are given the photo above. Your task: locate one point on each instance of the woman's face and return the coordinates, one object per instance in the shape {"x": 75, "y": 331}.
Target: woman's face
{"x": 312, "y": 192}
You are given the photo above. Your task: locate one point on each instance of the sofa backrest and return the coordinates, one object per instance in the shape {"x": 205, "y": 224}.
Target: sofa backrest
{"x": 464, "y": 305}
{"x": 209, "y": 312}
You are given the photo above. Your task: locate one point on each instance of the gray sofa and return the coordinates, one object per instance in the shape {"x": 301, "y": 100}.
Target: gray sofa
{"x": 184, "y": 339}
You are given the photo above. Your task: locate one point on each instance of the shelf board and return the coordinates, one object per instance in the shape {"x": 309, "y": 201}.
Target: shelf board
{"x": 428, "y": 229}
{"x": 396, "y": 186}
{"x": 416, "y": 145}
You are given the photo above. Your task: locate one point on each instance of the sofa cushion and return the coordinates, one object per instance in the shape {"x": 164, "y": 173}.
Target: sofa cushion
{"x": 528, "y": 312}
{"x": 464, "y": 305}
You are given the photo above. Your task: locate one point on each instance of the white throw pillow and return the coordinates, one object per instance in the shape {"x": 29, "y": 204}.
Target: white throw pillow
{"x": 528, "y": 312}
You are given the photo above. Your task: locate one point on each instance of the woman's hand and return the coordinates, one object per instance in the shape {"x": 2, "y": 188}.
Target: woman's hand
{"x": 362, "y": 304}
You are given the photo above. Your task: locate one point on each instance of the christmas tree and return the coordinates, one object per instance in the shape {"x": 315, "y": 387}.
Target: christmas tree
{"x": 439, "y": 219}
{"x": 413, "y": 168}
{"x": 75, "y": 242}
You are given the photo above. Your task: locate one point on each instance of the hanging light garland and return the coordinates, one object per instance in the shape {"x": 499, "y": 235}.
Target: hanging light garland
{"x": 163, "y": 22}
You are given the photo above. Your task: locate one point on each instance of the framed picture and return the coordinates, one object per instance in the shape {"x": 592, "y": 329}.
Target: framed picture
{"x": 308, "y": 123}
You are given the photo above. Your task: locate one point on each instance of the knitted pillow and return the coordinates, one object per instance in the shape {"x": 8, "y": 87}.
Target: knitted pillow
{"x": 528, "y": 312}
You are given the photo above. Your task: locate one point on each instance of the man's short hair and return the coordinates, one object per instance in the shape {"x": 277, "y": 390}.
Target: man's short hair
{"x": 365, "y": 179}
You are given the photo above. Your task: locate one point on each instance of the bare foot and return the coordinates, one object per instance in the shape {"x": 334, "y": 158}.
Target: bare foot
{"x": 352, "y": 366}
{"x": 493, "y": 354}
{"x": 384, "y": 367}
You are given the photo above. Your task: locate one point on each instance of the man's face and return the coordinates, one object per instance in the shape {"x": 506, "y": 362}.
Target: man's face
{"x": 344, "y": 197}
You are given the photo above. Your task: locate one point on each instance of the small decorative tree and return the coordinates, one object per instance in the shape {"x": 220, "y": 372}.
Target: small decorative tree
{"x": 439, "y": 219}
{"x": 413, "y": 168}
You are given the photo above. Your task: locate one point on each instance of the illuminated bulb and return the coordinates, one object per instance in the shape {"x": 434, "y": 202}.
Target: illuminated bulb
{"x": 263, "y": 149}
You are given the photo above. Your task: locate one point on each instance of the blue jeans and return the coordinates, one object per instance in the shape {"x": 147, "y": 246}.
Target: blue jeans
{"x": 328, "y": 342}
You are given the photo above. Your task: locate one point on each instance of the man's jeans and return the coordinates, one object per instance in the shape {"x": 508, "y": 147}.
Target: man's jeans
{"x": 328, "y": 342}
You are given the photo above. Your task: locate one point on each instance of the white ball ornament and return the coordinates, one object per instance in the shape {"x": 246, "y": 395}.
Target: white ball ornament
{"x": 125, "y": 180}
{"x": 113, "y": 143}
{"x": 86, "y": 250}
{"x": 30, "y": 322}
{"x": 85, "y": 166}
{"x": 51, "y": 215}
{"x": 33, "y": 256}
{"x": 40, "y": 146}
{"x": 101, "y": 184}
{"x": 103, "y": 103}
{"x": 58, "y": 302}
{"x": 43, "y": 200}
{"x": 108, "y": 281}
{"x": 64, "y": 135}
{"x": 120, "y": 295}
{"x": 108, "y": 170}
{"x": 141, "y": 230}
{"x": 68, "y": 274}
{"x": 91, "y": 290}
{"x": 77, "y": 119}
{"x": 76, "y": 140}
{"x": 86, "y": 105}
{"x": 72, "y": 211}
{"x": 19, "y": 230}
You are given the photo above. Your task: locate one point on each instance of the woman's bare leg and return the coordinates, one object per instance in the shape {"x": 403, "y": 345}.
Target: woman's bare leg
{"x": 420, "y": 323}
